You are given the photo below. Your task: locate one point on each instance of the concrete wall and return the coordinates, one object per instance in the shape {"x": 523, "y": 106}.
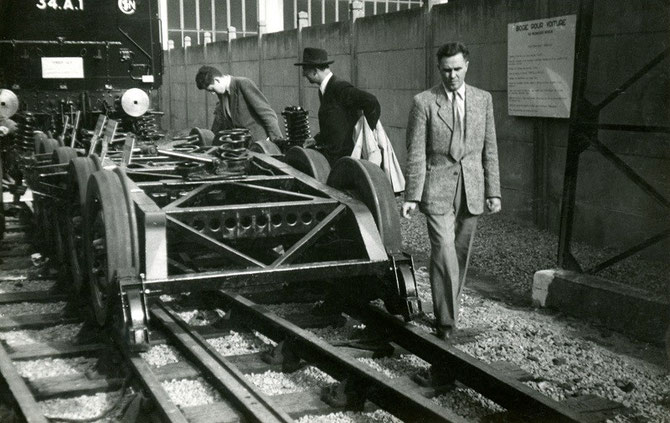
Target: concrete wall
{"x": 392, "y": 56}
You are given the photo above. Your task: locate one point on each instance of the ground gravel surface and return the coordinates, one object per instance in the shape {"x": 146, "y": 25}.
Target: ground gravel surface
{"x": 569, "y": 358}
{"x": 49, "y": 367}
{"x": 161, "y": 355}
{"x": 379, "y": 416}
{"x": 512, "y": 251}
{"x": 23, "y": 284}
{"x": 83, "y": 407}
{"x": 238, "y": 343}
{"x": 9, "y": 310}
{"x": 60, "y": 333}
{"x": 188, "y": 392}
{"x": 275, "y": 383}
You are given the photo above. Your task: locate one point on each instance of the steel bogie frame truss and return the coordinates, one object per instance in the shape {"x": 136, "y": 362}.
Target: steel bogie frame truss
{"x": 253, "y": 233}
{"x": 583, "y": 133}
{"x": 250, "y": 233}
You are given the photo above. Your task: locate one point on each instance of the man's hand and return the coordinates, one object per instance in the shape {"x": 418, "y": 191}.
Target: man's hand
{"x": 493, "y": 204}
{"x": 407, "y": 208}
{"x": 309, "y": 143}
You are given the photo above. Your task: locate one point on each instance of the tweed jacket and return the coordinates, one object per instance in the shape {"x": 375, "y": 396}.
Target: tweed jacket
{"x": 339, "y": 111}
{"x": 432, "y": 174}
{"x": 248, "y": 109}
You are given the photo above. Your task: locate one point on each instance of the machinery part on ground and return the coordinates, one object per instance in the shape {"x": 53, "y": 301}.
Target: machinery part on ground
{"x": 9, "y": 103}
{"x": 135, "y": 102}
{"x": 296, "y": 122}
{"x": 266, "y": 147}
{"x": 79, "y": 171}
{"x": 309, "y": 161}
{"x": 107, "y": 236}
{"x": 368, "y": 183}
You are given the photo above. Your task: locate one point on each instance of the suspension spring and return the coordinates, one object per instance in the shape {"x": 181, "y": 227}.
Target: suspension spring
{"x": 147, "y": 127}
{"x": 24, "y": 144}
{"x": 296, "y": 122}
{"x": 233, "y": 150}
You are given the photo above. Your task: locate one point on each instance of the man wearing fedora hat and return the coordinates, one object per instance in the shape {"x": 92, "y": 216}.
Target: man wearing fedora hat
{"x": 241, "y": 104}
{"x": 340, "y": 106}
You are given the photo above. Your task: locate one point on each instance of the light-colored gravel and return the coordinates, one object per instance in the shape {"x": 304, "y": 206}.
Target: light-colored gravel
{"x": 187, "y": 392}
{"x": 568, "y": 357}
{"x": 512, "y": 251}
{"x": 275, "y": 383}
{"x": 21, "y": 284}
{"x": 9, "y": 310}
{"x": 236, "y": 343}
{"x": 379, "y": 416}
{"x": 35, "y": 369}
{"x": 60, "y": 333}
{"x": 83, "y": 407}
{"x": 468, "y": 404}
{"x": 161, "y": 355}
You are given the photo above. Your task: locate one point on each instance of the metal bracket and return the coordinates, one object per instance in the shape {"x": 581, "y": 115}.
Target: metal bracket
{"x": 404, "y": 298}
{"x": 135, "y": 314}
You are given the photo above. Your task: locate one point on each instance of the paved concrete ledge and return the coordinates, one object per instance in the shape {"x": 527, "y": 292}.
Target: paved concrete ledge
{"x": 617, "y": 306}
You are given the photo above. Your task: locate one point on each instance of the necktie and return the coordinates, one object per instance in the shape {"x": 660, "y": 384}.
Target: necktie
{"x": 225, "y": 103}
{"x": 456, "y": 149}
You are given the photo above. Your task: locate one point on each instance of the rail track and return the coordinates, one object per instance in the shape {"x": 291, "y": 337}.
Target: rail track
{"x": 360, "y": 387}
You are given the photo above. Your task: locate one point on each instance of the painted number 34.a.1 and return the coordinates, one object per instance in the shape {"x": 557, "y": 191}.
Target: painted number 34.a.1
{"x": 67, "y": 4}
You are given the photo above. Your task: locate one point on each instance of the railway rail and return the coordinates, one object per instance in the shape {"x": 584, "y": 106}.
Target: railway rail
{"x": 361, "y": 386}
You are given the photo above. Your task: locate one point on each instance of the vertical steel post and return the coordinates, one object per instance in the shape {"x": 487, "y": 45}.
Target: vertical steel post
{"x": 303, "y": 21}
{"x": 578, "y": 110}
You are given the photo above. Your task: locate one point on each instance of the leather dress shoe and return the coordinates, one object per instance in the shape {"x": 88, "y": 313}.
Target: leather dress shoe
{"x": 445, "y": 334}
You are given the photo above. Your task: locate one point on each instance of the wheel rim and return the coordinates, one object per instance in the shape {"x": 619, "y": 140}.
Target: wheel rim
{"x": 79, "y": 171}
{"x": 107, "y": 237}
{"x": 265, "y": 147}
{"x": 310, "y": 162}
{"x": 368, "y": 183}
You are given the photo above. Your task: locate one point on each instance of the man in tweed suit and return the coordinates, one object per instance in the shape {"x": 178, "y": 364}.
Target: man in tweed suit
{"x": 241, "y": 104}
{"x": 452, "y": 175}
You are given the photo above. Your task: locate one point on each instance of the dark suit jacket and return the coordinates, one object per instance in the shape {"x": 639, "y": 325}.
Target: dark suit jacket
{"x": 339, "y": 111}
{"x": 248, "y": 109}
{"x": 432, "y": 174}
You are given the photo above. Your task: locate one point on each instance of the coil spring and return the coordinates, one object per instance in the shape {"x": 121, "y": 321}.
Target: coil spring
{"x": 233, "y": 150}
{"x": 24, "y": 144}
{"x": 296, "y": 122}
{"x": 147, "y": 128}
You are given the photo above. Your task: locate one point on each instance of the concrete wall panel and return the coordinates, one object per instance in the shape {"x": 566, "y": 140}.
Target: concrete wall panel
{"x": 333, "y": 37}
{"x": 517, "y": 160}
{"x": 280, "y": 72}
{"x": 402, "y": 69}
{"x": 281, "y": 45}
{"x": 390, "y": 31}
{"x": 244, "y": 49}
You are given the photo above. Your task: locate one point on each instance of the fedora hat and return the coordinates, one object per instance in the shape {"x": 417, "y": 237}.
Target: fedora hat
{"x": 314, "y": 57}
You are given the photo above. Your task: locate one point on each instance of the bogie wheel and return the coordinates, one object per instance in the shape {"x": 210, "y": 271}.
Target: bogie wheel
{"x": 55, "y": 214}
{"x": 205, "y": 136}
{"x": 310, "y": 162}
{"x": 265, "y": 147}
{"x": 107, "y": 237}
{"x": 366, "y": 182}
{"x": 38, "y": 137}
{"x": 46, "y": 145}
{"x": 63, "y": 155}
{"x": 79, "y": 171}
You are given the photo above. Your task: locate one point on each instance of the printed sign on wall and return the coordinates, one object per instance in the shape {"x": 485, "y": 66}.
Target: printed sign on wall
{"x": 540, "y": 66}
{"x": 62, "y": 67}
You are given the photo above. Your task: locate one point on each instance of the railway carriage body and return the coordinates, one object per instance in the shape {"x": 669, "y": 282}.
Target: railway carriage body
{"x": 80, "y": 54}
